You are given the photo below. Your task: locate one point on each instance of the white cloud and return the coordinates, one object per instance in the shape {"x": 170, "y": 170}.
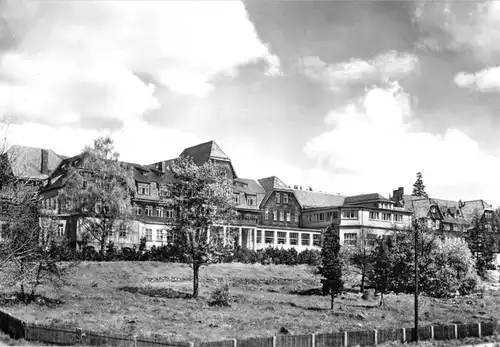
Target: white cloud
{"x": 382, "y": 68}
{"x": 459, "y": 25}
{"x": 371, "y": 146}
{"x": 485, "y": 80}
{"x": 79, "y": 60}
{"x": 136, "y": 142}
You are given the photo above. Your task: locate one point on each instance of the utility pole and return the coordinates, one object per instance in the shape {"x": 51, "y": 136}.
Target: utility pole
{"x": 415, "y": 332}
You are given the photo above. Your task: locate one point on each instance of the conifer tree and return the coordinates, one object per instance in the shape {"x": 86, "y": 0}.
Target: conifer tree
{"x": 331, "y": 267}
{"x": 481, "y": 243}
{"x": 419, "y": 187}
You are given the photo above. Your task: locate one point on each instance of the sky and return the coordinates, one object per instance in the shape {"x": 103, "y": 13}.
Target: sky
{"x": 346, "y": 97}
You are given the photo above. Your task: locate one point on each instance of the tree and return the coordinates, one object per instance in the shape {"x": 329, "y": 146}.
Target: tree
{"x": 419, "y": 187}
{"x": 202, "y": 199}
{"x": 362, "y": 253}
{"x": 28, "y": 239}
{"x": 331, "y": 267}
{"x": 380, "y": 272}
{"x": 99, "y": 189}
{"x": 482, "y": 243}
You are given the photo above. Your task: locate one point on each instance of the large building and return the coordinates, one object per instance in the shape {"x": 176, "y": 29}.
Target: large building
{"x": 269, "y": 212}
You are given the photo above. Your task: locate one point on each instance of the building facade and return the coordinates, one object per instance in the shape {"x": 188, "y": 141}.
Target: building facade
{"x": 269, "y": 213}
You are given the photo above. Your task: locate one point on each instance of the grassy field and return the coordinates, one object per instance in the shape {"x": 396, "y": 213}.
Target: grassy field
{"x": 148, "y": 297}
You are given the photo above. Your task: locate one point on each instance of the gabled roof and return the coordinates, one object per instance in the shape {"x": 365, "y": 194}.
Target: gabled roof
{"x": 248, "y": 186}
{"x": 272, "y": 182}
{"x": 469, "y": 207}
{"x": 204, "y": 152}
{"x": 309, "y": 199}
{"x": 366, "y": 198}
{"x": 26, "y": 162}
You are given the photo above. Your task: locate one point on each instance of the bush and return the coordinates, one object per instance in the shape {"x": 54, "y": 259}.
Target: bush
{"x": 220, "y": 296}
{"x": 310, "y": 257}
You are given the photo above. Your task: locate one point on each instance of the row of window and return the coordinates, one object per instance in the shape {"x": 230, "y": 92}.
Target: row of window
{"x": 283, "y": 215}
{"x": 320, "y": 217}
{"x": 157, "y": 212}
{"x": 145, "y": 189}
{"x": 251, "y": 199}
{"x": 294, "y": 239}
{"x": 162, "y": 235}
{"x": 278, "y": 198}
{"x": 386, "y": 206}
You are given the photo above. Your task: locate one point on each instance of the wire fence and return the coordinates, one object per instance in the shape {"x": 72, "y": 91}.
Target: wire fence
{"x": 18, "y": 329}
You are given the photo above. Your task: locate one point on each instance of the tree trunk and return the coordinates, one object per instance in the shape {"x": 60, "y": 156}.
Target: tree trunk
{"x": 381, "y": 303}
{"x": 363, "y": 273}
{"x": 332, "y": 298}
{"x": 196, "y": 271}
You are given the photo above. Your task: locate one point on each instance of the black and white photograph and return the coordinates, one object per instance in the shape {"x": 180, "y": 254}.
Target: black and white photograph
{"x": 249, "y": 173}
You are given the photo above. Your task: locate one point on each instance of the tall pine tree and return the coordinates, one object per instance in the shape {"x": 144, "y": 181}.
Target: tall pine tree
{"x": 331, "y": 268}
{"x": 481, "y": 243}
{"x": 419, "y": 187}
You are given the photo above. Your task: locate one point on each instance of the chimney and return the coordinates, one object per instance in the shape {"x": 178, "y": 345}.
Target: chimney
{"x": 397, "y": 195}
{"x": 44, "y": 165}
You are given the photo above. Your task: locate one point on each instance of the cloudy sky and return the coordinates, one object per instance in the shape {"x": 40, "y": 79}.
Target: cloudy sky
{"x": 347, "y": 97}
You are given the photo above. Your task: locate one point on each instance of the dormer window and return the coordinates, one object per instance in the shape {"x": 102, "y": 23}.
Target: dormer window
{"x": 143, "y": 188}
{"x": 251, "y": 200}
{"x": 278, "y": 198}
{"x": 285, "y": 198}
{"x": 236, "y": 198}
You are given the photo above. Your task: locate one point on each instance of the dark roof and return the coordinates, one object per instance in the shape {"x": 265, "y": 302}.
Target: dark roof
{"x": 273, "y": 182}
{"x": 474, "y": 205}
{"x": 248, "y": 186}
{"x": 26, "y": 162}
{"x": 204, "y": 152}
{"x": 309, "y": 199}
{"x": 366, "y": 198}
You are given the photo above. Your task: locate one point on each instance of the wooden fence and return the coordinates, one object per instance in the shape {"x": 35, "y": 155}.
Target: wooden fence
{"x": 17, "y": 329}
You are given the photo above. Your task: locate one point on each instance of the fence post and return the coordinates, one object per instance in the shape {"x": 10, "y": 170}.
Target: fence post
{"x": 345, "y": 339}
{"x": 135, "y": 340}
{"x": 313, "y": 340}
{"x": 479, "y": 329}
{"x": 23, "y": 324}
{"x": 191, "y": 343}
{"x": 375, "y": 337}
{"x": 235, "y": 342}
{"x": 456, "y": 331}
{"x": 404, "y": 334}
{"x": 79, "y": 335}
{"x": 432, "y": 332}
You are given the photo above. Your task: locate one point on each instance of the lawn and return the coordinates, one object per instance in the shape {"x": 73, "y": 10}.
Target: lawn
{"x": 148, "y": 297}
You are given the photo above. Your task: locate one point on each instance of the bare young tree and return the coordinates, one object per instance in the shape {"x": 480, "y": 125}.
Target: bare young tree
{"x": 98, "y": 188}
{"x": 202, "y": 199}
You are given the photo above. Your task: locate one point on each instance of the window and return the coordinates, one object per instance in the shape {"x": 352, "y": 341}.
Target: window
{"x": 236, "y": 197}
{"x": 294, "y": 239}
{"x": 350, "y": 214}
{"x": 277, "y": 198}
{"x": 60, "y": 230}
{"x": 398, "y": 218}
{"x": 266, "y": 214}
{"x": 149, "y": 235}
{"x": 259, "y": 236}
{"x": 149, "y": 211}
{"x": 285, "y": 198}
{"x": 305, "y": 239}
{"x": 386, "y": 217}
{"x": 138, "y": 210}
{"x": 282, "y": 216}
{"x": 159, "y": 235}
{"x": 169, "y": 214}
{"x": 335, "y": 214}
{"x": 269, "y": 237}
{"x": 159, "y": 211}
{"x": 487, "y": 215}
{"x": 281, "y": 238}
{"x": 309, "y": 217}
{"x": 84, "y": 184}
{"x": 169, "y": 236}
{"x": 122, "y": 230}
{"x": 251, "y": 200}
{"x": 296, "y": 214}
{"x": 350, "y": 238}
{"x": 374, "y": 215}
{"x": 321, "y": 216}
{"x": 329, "y": 216}
{"x": 288, "y": 216}
{"x": 316, "y": 240}
{"x": 143, "y": 188}
{"x": 275, "y": 215}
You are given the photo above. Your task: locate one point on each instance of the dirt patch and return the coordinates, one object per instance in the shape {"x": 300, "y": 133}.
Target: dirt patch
{"x": 167, "y": 293}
